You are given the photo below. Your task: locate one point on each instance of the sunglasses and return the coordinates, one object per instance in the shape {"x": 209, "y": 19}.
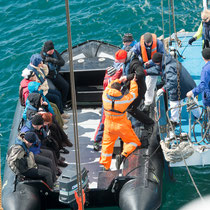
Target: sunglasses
{"x": 205, "y": 19}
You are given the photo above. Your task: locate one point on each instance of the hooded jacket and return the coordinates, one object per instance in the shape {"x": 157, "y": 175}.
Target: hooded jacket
{"x": 19, "y": 158}
{"x": 204, "y": 86}
{"x": 24, "y": 84}
{"x": 169, "y": 68}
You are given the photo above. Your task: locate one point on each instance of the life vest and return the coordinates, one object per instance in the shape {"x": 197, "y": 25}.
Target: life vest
{"x": 143, "y": 48}
{"x": 52, "y": 67}
{"x": 112, "y": 100}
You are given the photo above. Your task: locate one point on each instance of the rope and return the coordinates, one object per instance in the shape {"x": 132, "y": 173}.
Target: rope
{"x": 74, "y": 106}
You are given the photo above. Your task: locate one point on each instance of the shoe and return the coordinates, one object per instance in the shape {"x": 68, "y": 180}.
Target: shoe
{"x": 65, "y": 127}
{"x": 62, "y": 163}
{"x": 68, "y": 144}
{"x": 146, "y": 108}
{"x": 66, "y": 116}
{"x": 65, "y": 121}
{"x": 96, "y": 146}
{"x": 59, "y": 172}
{"x": 174, "y": 124}
{"x": 106, "y": 169}
{"x": 62, "y": 158}
{"x": 64, "y": 151}
{"x": 67, "y": 107}
{"x": 119, "y": 160}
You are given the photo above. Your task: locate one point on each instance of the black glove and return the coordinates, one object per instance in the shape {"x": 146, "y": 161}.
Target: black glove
{"x": 50, "y": 59}
{"x": 191, "y": 40}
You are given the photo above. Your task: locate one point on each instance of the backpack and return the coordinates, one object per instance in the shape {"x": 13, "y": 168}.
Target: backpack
{"x": 21, "y": 98}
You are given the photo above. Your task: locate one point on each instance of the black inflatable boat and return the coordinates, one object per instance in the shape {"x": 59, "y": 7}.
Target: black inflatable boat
{"x": 136, "y": 186}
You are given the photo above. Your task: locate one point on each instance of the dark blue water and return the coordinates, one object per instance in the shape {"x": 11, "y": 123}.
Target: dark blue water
{"x": 26, "y": 25}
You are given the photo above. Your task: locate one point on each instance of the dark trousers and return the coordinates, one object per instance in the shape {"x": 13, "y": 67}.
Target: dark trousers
{"x": 46, "y": 158}
{"x": 42, "y": 172}
{"x": 62, "y": 85}
{"x": 137, "y": 114}
{"x": 55, "y": 97}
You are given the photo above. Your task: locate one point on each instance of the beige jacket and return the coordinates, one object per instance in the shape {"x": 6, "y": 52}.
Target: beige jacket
{"x": 44, "y": 86}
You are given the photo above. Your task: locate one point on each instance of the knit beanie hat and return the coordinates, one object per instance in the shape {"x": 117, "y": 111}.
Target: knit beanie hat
{"x": 128, "y": 37}
{"x": 157, "y": 57}
{"x": 26, "y": 73}
{"x": 36, "y": 59}
{"x": 37, "y": 120}
{"x": 147, "y": 37}
{"x": 206, "y": 53}
{"x": 111, "y": 70}
{"x": 48, "y": 45}
{"x": 120, "y": 54}
{"x": 31, "y": 137}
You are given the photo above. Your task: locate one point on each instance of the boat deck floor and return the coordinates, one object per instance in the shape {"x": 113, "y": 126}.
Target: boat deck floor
{"x": 88, "y": 120}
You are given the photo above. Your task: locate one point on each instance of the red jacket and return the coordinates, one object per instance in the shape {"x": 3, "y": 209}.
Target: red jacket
{"x": 108, "y": 79}
{"x": 24, "y": 84}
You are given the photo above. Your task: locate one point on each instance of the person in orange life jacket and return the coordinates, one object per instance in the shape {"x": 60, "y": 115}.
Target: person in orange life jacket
{"x": 116, "y": 123}
{"x": 169, "y": 66}
{"x": 111, "y": 74}
{"x": 145, "y": 49}
{"x": 128, "y": 40}
{"x": 54, "y": 61}
{"x": 132, "y": 66}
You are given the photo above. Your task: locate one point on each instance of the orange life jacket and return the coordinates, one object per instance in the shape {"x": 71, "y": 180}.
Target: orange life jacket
{"x": 143, "y": 48}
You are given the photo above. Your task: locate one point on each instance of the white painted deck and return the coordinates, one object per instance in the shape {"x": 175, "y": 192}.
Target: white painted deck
{"x": 88, "y": 120}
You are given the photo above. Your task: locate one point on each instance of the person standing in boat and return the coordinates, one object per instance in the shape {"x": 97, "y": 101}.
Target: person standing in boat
{"x": 145, "y": 49}
{"x": 204, "y": 85}
{"x": 169, "y": 67}
{"x": 22, "y": 162}
{"x": 116, "y": 122}
{"x": 128, "y": 40}
{"x": 54, "y": 61}
{"x": 203, "y": 30}
{"x": 132, "y": 66}
{"x": 111, "y": 74}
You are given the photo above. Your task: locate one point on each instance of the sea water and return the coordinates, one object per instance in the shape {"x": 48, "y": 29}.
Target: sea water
{"x": 26, "y": 25}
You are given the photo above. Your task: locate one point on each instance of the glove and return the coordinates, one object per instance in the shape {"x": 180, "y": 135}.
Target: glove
{"x": 191, "y": 40}
{"x": 159, "y": 92}
{"x": 50, "y": 59}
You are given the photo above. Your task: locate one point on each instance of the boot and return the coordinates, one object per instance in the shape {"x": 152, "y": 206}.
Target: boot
{"x": 119, "y": 160}
{"x": 65, "y": 116}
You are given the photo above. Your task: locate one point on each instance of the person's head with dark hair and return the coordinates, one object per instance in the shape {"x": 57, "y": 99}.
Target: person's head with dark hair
{"x": 37, "y": 121}
{"x": 157, "y": 58}
{"x": 116, "y": 85}
{"x": 206, "y": 54}
{"x": 48, "y": 47}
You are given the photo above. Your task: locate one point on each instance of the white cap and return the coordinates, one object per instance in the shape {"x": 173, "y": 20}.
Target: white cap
{"x": 26, "y": 73}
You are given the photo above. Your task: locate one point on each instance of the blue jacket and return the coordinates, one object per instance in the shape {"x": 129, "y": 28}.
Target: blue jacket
{"x": 35, "y": 148}
{"x": 204, "y": 86}
{"x": 169, "y": 68}
{"x": 132, "y": 44}
{"x": 137, "y": 50}
{"x": 33, "y": 88}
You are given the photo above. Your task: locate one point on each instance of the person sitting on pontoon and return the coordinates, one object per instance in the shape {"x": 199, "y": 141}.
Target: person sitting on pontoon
{"x": 169, "y": 68}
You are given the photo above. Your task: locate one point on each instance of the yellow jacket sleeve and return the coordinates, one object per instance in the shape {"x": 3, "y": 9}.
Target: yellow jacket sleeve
{"x": 199, "y": 32}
